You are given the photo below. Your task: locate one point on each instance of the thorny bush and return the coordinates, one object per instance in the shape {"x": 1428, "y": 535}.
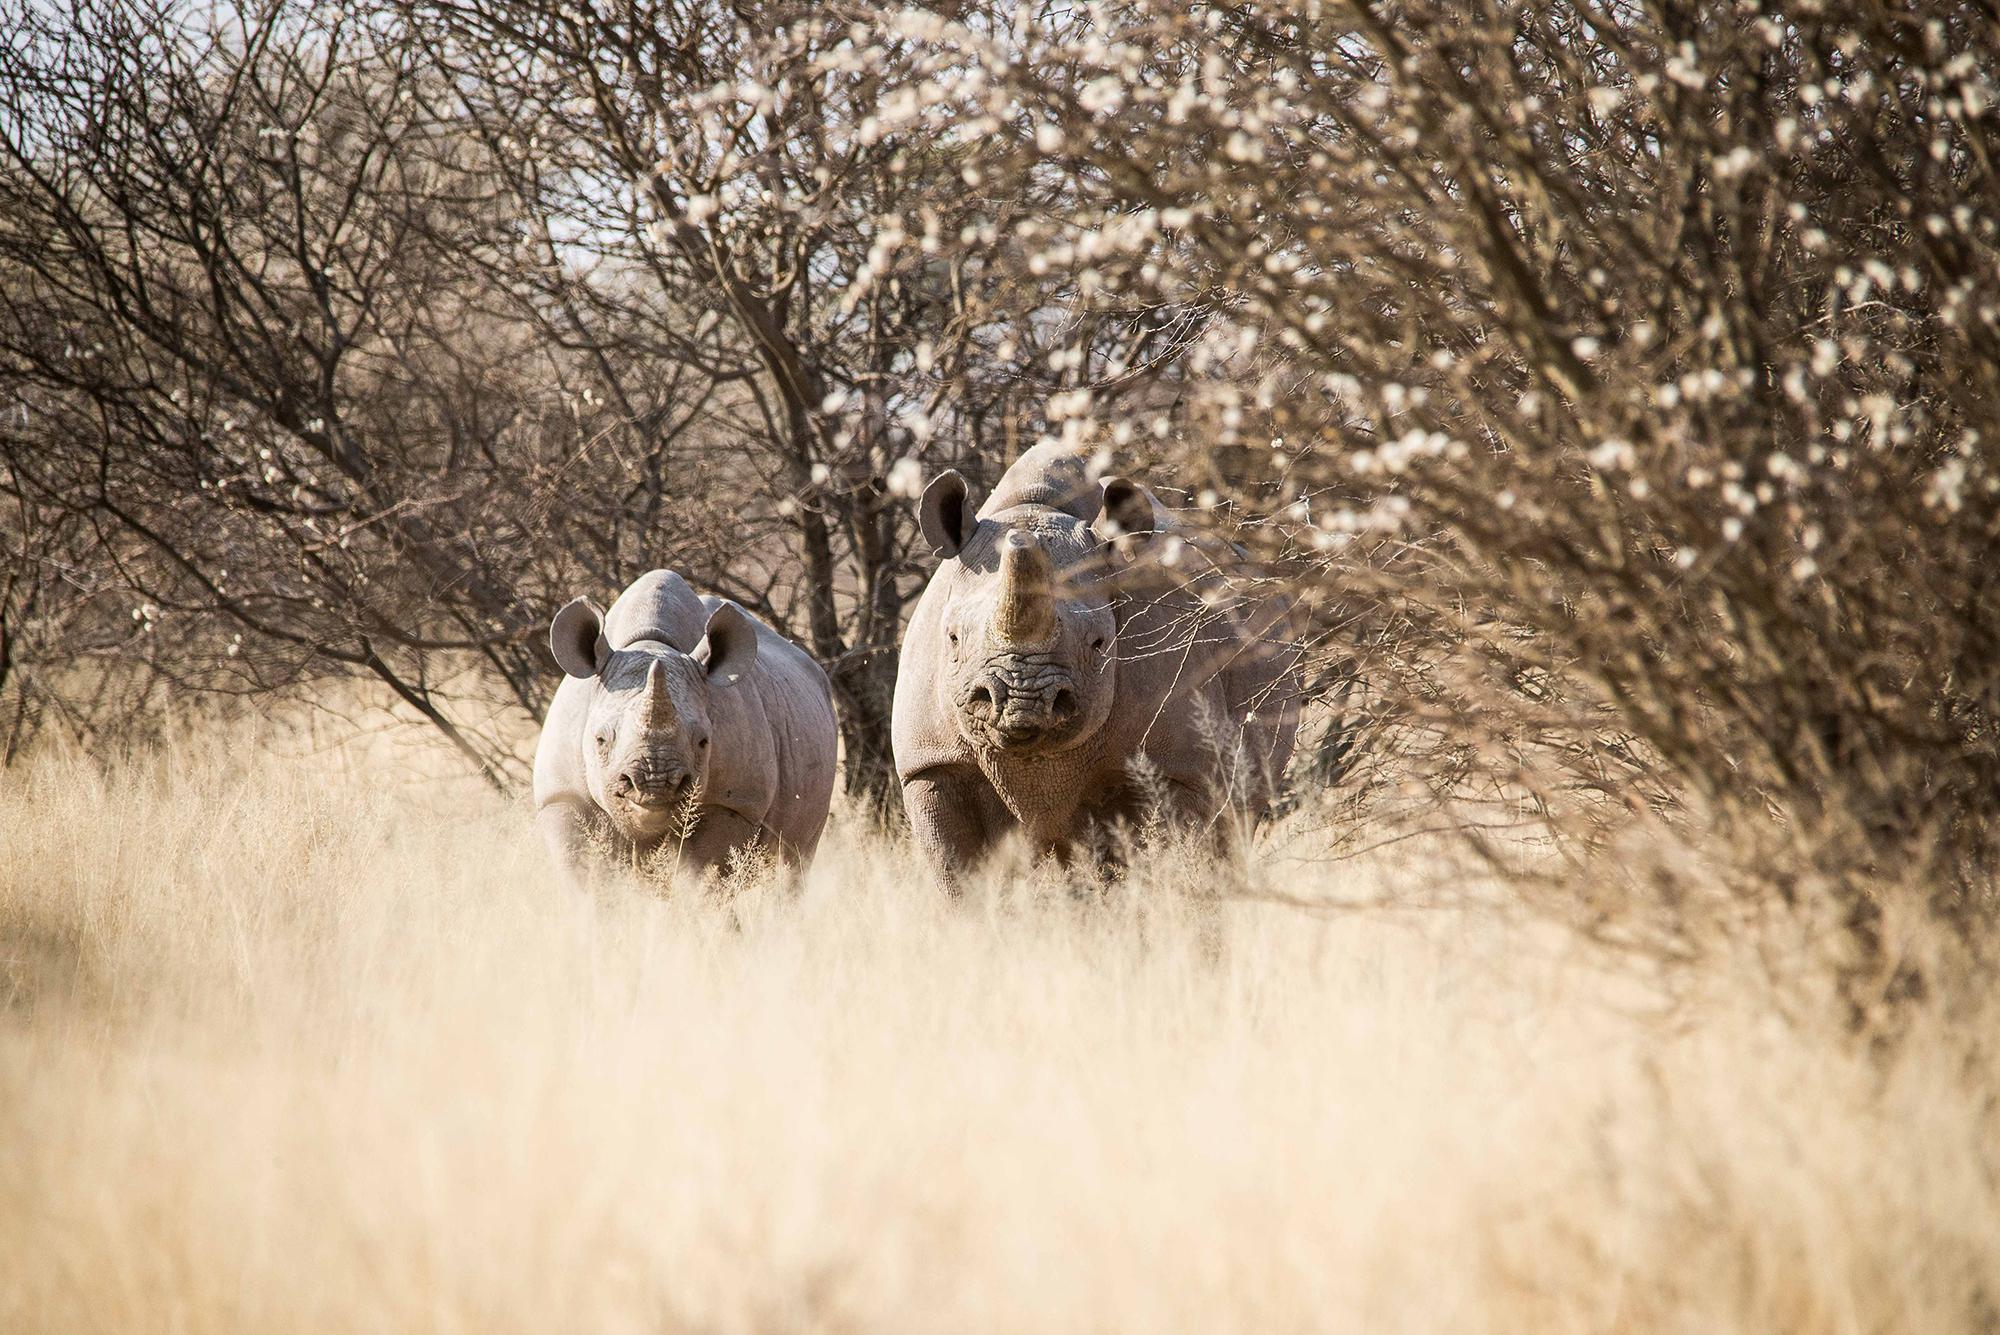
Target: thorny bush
{"x": 1617, "y": 381}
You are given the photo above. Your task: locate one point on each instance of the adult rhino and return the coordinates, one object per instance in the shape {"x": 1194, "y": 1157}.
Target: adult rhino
{"x": 682, "y": 721}
{"x": 1080, "y": 655}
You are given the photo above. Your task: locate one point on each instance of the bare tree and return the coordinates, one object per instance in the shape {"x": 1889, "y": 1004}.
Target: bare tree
{"x": 876, "y": 310}
{"x": 357, "y": 338}
{"x": 253, "y": 343}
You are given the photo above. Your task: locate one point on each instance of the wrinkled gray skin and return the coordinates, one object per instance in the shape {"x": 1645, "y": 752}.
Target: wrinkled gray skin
{"x": 676, "y": 705}
{"x": 1063, "y": 638}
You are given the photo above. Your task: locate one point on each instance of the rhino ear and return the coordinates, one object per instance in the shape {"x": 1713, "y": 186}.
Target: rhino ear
{"x": 576, "y": 638}
{"x": 1127, "y": 507}
{"x": 947, "y": 514}
{"x": 729, "y": 649}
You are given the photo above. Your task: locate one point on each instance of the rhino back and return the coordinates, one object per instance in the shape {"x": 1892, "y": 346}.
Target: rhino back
{"x": 1057, "y": 476}
{"x": 658, "y": 605}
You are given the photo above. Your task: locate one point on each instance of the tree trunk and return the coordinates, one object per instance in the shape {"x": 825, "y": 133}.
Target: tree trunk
{"x": 863, "y": 687}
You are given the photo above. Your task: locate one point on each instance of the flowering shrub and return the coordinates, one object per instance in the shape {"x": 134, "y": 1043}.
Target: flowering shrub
{"x": 1622, "y": 379}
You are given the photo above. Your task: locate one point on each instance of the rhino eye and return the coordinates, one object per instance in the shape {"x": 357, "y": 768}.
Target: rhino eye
{"x": 1097, "y": 644}
{"x": 701, "y": 743}
{"x": 603, "y": 742}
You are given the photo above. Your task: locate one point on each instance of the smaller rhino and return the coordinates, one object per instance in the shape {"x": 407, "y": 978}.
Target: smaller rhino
{"x": 683, "y": 722}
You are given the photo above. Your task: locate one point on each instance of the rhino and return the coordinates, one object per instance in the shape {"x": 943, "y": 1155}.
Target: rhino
{"x": 1082, "y": 657}
{"x": 681, "y": 721}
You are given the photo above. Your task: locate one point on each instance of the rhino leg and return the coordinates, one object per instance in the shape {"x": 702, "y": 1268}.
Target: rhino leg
{"x": 715, "y": 836}
{"x": 957, "y": 818}
{"x": 1181, "y": 804}
{"x": 567, "y": 829}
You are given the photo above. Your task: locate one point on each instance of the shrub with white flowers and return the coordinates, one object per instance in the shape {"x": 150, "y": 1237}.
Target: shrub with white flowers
{"x": 1640, "y": 353}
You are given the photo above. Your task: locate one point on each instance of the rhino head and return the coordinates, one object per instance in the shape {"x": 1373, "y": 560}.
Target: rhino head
{"x": 1030, "y": 636}
{"x": 648, "y": 728}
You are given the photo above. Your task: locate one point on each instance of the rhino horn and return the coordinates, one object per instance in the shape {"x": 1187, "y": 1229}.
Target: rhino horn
{"x": 659, "y": 703}
{"x": 1026, "y": 611}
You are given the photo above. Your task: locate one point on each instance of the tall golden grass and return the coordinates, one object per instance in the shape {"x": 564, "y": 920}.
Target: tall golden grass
{"x": 312, "y": 1042}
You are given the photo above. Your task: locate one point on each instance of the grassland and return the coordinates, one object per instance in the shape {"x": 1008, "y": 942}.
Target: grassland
{"x": 302, "y": 1039}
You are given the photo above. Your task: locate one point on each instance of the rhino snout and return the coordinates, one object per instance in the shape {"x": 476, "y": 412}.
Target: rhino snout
{"x": 651, "y": 785}
{"x": 1018, "y": 703}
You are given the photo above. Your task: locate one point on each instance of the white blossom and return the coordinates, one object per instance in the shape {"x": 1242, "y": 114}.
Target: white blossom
{"x": 906, "y": 478}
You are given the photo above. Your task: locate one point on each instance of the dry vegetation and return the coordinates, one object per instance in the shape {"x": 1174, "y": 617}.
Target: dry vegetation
{"x": 1611, "y": 386}
{"x": 299, "y": 1037}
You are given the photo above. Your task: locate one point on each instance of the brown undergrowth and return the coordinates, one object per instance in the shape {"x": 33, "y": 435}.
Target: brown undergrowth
{"x": 297, "y": 1039}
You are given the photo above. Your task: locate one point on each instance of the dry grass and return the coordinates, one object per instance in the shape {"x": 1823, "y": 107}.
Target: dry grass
{"x": 291, "y": 1045}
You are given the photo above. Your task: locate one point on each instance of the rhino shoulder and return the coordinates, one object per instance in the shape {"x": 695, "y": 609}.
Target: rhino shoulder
{"x": 923, "y": 733}
{"x": 559, "y": 750}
